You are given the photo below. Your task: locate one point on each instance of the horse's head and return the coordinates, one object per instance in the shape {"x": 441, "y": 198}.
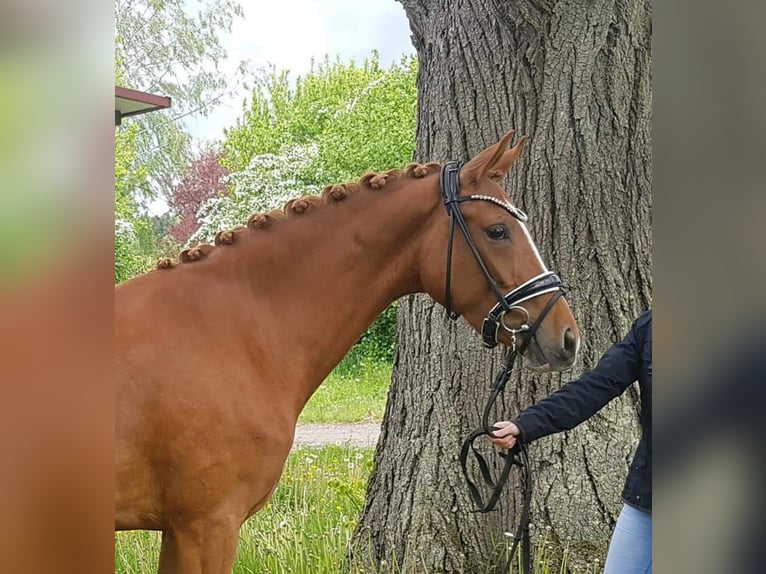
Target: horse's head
{"x": 493, "y": 274}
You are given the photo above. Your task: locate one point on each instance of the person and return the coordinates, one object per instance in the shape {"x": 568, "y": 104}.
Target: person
{"x": 630, "y": 360}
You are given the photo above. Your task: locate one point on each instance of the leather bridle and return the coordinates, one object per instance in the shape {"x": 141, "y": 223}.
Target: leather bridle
{"x": 545, "y": 282}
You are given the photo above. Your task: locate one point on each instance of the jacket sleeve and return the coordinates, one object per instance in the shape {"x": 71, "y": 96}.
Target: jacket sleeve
{"x": 580, "y": 399}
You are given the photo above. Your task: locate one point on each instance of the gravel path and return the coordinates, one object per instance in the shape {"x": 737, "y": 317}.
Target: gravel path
{"x": 348, "y": 434}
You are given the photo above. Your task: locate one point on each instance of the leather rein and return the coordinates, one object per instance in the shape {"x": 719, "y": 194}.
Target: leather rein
{"x": 546, "y": 282}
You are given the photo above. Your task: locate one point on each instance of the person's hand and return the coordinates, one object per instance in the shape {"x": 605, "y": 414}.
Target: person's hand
{"x": 505, "y": 436}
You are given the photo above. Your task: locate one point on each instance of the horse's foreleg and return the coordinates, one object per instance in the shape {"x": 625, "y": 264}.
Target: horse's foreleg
{"x": 205, "y": 546}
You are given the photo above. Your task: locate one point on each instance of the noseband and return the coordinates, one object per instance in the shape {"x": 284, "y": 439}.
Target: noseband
{"x": 545, "y": 282}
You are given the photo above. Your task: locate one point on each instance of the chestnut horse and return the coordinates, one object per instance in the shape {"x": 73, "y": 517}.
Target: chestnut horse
{"x": 218, "y": 354}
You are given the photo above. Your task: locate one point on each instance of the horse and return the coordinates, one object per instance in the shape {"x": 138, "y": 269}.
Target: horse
{"x": 218, "y": 352}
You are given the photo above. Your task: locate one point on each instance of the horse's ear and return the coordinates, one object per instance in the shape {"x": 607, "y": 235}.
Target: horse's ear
{"x": 478, "y": 168}
{"x": 506, "y": 161}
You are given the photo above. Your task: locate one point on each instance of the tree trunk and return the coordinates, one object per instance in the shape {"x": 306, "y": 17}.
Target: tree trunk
{"x": 576, "y": 78}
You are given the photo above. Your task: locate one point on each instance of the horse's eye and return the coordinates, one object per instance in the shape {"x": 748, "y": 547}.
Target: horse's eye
{"x": 497, "y": 232}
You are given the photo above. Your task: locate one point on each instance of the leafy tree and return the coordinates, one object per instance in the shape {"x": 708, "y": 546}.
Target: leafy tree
{"x": 359, "y": 117}
{"x": 162, "y": 46}
{"x": 376, "y": 128}
{"x": 202, "y": 180}
{"x": 128, "y": 226}
{"x": 335, "y": 123}
{"x": 139, "y": 238}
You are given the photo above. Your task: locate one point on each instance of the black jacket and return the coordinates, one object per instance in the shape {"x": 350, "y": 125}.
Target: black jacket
{"x": 625, "y": 362}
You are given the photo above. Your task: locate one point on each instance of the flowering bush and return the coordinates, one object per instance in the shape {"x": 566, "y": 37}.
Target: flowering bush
{"x": 268, "y": 182}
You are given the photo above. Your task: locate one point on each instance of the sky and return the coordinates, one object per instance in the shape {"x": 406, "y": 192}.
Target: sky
{"x": 289, "y": 33}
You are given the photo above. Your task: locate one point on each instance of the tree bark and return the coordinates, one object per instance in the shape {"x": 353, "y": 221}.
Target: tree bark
{"x": 575, "y": 77}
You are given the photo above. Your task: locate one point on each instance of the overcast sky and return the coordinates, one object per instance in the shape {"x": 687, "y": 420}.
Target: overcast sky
{"x": 289, "y": 33}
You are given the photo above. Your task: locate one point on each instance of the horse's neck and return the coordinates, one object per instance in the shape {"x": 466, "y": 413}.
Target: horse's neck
{"x": 324, "y": 277}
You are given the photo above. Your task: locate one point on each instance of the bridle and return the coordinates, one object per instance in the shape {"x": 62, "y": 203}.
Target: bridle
{"x": 545, "y": 282}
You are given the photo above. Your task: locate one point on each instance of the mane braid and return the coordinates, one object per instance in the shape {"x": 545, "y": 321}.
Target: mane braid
{"x": 228, "y": 237}
{"x": 418, "y": 170}
{"x": 331, "y": 195}
{"x": 303, "y": 205}
{"x": 195, "y": 253}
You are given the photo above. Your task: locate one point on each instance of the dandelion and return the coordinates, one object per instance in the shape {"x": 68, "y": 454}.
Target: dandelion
{"x": 283, "y": 524}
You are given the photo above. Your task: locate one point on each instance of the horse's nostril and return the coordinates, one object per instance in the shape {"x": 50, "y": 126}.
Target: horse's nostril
{"x": 570, "y": 342}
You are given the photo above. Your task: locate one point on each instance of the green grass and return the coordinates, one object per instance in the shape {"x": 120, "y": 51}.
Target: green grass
{"x": 354, "y": 393}
{"x": 304, "y": 529}
{"x": 137, "y": 551}
{"x": 308, "y": 523}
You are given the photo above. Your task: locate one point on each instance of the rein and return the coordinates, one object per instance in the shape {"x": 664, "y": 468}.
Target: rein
{"x": 546, "y": 282}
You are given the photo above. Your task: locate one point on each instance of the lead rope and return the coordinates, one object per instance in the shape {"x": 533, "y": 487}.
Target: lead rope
{"x": 545, "y": 283}
{"x": 517, "y": 456}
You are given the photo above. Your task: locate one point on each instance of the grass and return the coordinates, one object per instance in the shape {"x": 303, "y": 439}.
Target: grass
{"x": 547, "y": 555}
{"x": 355, "y": 393}
{"x": 308, "y": 524}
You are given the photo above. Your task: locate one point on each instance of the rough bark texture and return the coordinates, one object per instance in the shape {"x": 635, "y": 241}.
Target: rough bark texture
{"x": 576, "y": 78}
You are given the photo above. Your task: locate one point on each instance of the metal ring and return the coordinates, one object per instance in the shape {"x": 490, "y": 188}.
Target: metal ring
{"x": 524, "y": 323}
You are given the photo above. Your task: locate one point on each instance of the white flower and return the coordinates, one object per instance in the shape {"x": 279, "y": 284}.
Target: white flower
{"x": 268, "y": 182}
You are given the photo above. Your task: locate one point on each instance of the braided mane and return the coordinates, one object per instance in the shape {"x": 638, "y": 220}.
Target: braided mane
{"x": 331, "y": 195}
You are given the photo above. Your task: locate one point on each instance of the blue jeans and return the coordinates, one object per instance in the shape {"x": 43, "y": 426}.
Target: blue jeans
{"x": 630, "y": 551}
